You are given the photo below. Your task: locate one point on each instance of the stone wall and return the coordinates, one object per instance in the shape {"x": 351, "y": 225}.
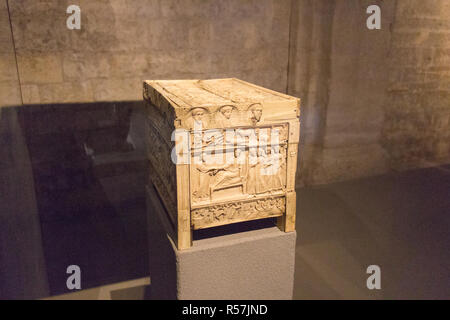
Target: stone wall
{"x": 9, "y": 82}
{"x": 338, "y": 67}
{"x": 372, "y": 100}
{"x": 416, "y": 131}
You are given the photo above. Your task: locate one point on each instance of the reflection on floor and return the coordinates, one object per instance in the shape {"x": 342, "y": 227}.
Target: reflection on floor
{"x": 399, "y": 222}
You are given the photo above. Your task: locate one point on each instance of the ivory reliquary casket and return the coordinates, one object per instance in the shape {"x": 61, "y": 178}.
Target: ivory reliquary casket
{"x": 222, "y": 151}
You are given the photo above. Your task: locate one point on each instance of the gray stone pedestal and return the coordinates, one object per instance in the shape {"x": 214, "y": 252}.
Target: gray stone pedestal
{"x": 257, "y": 264}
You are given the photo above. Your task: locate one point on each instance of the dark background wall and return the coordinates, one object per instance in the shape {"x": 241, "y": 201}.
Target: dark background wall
{"x": 372, "y": 100}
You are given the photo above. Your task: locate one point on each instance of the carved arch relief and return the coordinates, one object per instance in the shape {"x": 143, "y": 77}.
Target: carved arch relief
{"x": 226, "y": 116}
{"x": 255, "y": 113}
{"x": 198, "y": 118}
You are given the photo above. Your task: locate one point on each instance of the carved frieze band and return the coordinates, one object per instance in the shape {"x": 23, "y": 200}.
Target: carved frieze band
{"x": 237, "y": 211}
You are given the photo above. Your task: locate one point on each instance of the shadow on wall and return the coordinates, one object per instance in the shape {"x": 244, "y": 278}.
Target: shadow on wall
{"x": 72, "y": 192}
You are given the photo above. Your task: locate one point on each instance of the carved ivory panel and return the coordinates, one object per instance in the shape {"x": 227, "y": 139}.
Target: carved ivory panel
{"x": 222, "y": 151}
